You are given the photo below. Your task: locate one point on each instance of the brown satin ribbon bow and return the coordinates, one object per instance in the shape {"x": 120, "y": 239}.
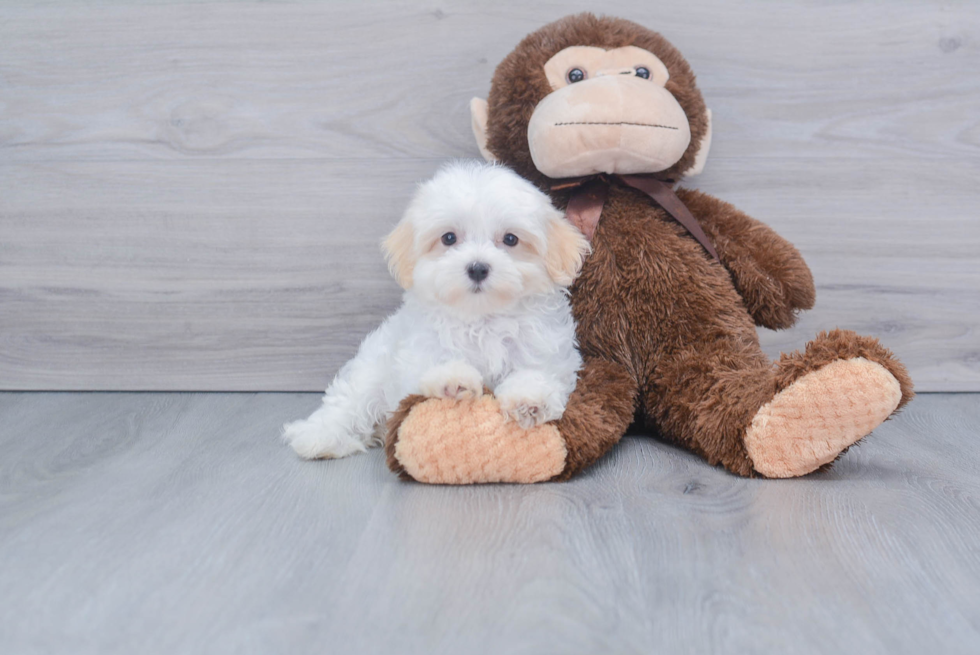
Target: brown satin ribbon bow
{"x": 585, "y": 205}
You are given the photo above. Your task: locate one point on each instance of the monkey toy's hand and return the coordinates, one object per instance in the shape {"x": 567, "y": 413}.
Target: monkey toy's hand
{"x": 768, "y": 270}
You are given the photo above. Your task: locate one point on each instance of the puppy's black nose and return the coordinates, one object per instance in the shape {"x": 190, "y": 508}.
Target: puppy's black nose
{"x": 478, "y": 271}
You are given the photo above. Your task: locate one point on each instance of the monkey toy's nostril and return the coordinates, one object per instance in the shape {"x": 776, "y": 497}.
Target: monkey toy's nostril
{"x": 478, "y": 271}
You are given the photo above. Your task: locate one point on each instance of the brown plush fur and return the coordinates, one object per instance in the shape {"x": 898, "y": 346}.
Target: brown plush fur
{"x": 598, "y": 413}
{"x": 650, "y": 300}
{"x": 768, "y": 272}
{"x": 666, "y": 331}
{"x": 391, "y": 440}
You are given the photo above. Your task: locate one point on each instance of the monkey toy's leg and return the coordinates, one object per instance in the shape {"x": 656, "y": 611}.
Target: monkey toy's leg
{"x": 728, "y": 403}
{"x": 462, "y": 442}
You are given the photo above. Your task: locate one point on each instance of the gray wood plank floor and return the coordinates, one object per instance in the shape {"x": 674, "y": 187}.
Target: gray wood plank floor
{"x": 176, "y": 523}
{"x": 192, "y": 193}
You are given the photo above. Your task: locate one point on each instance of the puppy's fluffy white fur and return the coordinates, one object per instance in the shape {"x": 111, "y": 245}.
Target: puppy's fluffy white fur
{"x": 456, "y": 333}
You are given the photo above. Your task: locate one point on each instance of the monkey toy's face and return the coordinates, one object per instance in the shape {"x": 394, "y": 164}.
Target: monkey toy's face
{"x": 582, "y": 97}
{"x": 608, "y": 113}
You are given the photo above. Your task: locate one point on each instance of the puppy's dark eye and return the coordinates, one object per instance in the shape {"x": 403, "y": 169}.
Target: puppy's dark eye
{"x": 510, "y": 240}
{"x": 642, "y": 71}
{"x": 575, "y": 75}
{"x": 449, "y": 238}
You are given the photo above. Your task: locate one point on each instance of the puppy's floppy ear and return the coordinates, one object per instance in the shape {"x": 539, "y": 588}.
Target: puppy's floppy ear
{"x": 399, "y": 249}
{"x": 567, "y": 249}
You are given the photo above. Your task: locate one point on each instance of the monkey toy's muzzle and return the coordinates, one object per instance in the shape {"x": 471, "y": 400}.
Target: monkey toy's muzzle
{"x": 608, "y": 124}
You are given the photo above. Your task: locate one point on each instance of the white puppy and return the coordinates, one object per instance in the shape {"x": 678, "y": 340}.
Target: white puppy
{"x": 484, "y": 259}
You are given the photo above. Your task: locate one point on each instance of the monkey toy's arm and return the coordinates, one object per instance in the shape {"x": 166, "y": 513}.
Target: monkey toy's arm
{"x": 768, "y": 271}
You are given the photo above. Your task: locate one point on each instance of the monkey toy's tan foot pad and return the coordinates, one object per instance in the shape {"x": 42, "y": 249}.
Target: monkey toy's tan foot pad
{"x": 810, "y": 422}
{"x": 444, "y": 441}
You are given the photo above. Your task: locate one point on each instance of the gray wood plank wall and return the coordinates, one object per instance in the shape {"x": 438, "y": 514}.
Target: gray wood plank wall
{"x": 191, "y": 195}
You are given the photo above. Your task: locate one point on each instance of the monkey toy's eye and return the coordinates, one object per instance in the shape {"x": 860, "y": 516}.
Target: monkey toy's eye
{"x": 642, "y": 71}
{"x": 510, "y": 240}
{"x": 575, "y": 75}
{"x": 449, "y": 238}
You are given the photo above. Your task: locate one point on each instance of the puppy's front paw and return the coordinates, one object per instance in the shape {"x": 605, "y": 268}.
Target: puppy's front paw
{"x": 529, "y": 399}
{"x": 457, "y": 380}
{"x": 526, "y": 413}
{"x": 317, "y": 439}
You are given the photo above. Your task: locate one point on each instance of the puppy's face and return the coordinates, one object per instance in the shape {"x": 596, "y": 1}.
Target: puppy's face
{"x": 477, "y": 238}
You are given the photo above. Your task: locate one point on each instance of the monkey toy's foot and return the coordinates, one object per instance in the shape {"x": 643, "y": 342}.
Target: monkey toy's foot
{"x": 443, "y": 441}
{"x": 829, "y": 398}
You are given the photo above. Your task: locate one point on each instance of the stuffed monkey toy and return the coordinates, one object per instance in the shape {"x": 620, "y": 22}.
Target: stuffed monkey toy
{"x": 605, "y": 116}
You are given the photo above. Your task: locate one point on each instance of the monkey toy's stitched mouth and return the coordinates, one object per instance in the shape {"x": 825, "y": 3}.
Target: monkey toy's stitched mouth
{"x": 665, "y": 127}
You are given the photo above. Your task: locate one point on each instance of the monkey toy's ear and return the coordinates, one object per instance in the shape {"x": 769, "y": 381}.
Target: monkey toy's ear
{"x": 478, "y": 113}
{"x": 703, "y": 149}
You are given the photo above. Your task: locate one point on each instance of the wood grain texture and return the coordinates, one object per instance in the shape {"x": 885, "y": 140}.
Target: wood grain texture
{"x": 191, "y": 194}
{"x": 163, "y": 523}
